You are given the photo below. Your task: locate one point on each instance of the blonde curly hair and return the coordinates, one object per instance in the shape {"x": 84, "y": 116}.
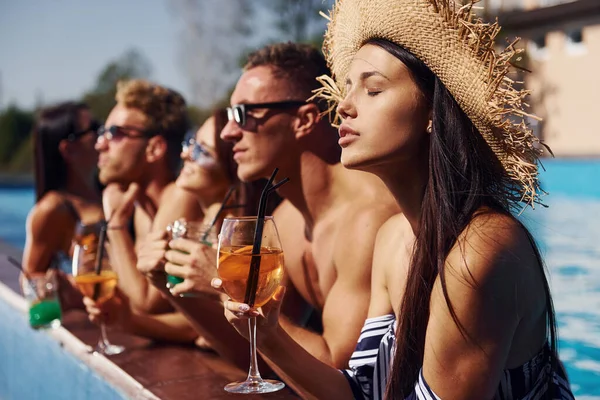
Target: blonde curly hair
{"x": 165, "y": 111}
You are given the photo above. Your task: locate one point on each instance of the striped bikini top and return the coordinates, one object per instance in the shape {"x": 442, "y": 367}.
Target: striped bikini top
{"x": 371, "y": 362}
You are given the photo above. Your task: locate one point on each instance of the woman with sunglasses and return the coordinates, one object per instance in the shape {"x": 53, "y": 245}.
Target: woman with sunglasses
{"x": 208, "y": 166}
{"x": 66, "y": 187}
{"x": 209, "y": 171}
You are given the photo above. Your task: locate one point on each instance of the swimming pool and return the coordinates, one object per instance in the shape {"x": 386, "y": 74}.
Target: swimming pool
{"x": 569, "y": 236}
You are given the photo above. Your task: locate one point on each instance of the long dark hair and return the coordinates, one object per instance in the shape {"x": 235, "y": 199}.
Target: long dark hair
{"x": 246, "y": 193}
{"x": 53, "y": 125}
{"x": 464, "y": 177}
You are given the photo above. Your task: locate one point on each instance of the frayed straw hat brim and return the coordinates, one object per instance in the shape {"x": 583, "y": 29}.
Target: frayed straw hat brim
{"x": 459, "y": 48}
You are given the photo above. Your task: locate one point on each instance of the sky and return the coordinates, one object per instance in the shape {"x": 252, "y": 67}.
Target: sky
{"x": 53, "y": 50}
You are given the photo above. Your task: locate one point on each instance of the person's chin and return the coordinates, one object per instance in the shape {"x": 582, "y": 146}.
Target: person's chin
{"x": 185, "y": 184}
{"x": 104, "y": 177}
{"x": 376, "y": 165}
{"x": 108, "y": 177}
{"x": 180, "y": 182}
{"x": 251, "y": 174}
{"x": 352, "y": 160}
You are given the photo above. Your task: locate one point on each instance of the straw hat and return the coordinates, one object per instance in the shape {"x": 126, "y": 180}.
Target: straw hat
{"x": 459, "y": 48}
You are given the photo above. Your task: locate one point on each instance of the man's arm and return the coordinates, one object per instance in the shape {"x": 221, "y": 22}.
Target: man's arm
{"x": 205, "y": 313}
{"x": 196, "y": 264}
{"x": 175, "y": 203}
{"x": 168, "y": 327}
{"x": 290, "y": 224}
{"x": 347, "y": 302}
{"x": 143, "y": 296}
{"x": 116, "y": 312}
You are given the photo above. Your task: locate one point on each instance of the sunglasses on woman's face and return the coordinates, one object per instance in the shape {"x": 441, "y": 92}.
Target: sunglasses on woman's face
{"x": 94, "y": 125}
{"x": 116, "y": 133}
{"x": 197, "y": 153}
{"x": 238, "y": 112}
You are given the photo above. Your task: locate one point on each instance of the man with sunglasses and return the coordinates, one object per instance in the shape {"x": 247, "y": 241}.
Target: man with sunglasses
{"x": 331, "y": 215}
{"x": 139, "y": 148}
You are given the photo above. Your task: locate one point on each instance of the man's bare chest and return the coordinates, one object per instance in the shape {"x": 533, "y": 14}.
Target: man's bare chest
{"x": 311, "y": 267}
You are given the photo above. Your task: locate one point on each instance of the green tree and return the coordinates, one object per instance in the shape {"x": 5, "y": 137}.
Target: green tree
{"x": 132, "y": 64}
{"x": 15, "y": 128}
{"x": 22, "y": 160}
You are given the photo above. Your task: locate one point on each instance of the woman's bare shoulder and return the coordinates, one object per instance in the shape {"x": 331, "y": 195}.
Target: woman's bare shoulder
{"x": 496, "y": 231}
{"x": 492, "y": 242}
{"x": 49, "y": 212}
{"x": 51, "y": 205}
{"x": 395, "y": 226}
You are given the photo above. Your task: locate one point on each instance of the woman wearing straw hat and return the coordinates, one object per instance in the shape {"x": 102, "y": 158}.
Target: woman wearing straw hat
{"x": 464, "y": 310}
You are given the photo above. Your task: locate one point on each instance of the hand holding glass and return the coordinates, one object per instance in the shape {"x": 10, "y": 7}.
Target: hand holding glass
{"x": 196, "y": 231}
{"x": 41, "y": 292}
{"x": 235, "y": 256}
{"x": 99, "y": 287}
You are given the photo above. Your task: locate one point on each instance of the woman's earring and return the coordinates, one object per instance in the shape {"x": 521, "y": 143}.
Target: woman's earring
{"x": 429, "y": 128}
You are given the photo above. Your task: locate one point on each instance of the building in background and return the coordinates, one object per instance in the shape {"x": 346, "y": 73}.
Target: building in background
{"x": 562, "y": 42}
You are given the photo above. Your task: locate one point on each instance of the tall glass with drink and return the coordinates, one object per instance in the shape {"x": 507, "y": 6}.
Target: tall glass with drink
{"x": 96, "y": 279}
{"x": 41, "y": 292}
{"x": 236, "y": 242}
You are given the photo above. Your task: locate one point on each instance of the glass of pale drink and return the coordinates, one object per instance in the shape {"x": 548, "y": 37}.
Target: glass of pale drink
{"x": 98, "y": 281}
{"x": 236, "y": 242}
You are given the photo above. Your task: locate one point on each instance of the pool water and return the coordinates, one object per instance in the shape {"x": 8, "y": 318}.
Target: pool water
{"x": 568, "y": 232}
{"x": 15, "y": 203}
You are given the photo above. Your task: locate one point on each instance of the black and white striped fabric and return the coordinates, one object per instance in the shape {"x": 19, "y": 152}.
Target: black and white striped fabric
{"x": 371, "y": 360}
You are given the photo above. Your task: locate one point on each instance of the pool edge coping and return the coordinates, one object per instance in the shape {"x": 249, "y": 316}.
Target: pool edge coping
{"x": 104, "y": 367}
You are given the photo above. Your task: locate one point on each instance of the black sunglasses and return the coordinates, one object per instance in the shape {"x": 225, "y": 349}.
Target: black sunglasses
{"x": 115, "y": 132}
{"x": 238, "y": 112}
{"x": 94, "y": 125}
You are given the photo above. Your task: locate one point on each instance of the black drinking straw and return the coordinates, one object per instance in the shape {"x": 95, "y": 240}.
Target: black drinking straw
{"x": 216, "y": 218}
{"x": 25, "y": 274}
{"x": 99, "y": 257}
{"x": 18, "y": 265}
{"x": 253, "y": 273}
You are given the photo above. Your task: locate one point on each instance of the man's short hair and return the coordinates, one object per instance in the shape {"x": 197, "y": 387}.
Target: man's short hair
{"x": 299, "y": 64}
{"x": 164, "y": 108}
